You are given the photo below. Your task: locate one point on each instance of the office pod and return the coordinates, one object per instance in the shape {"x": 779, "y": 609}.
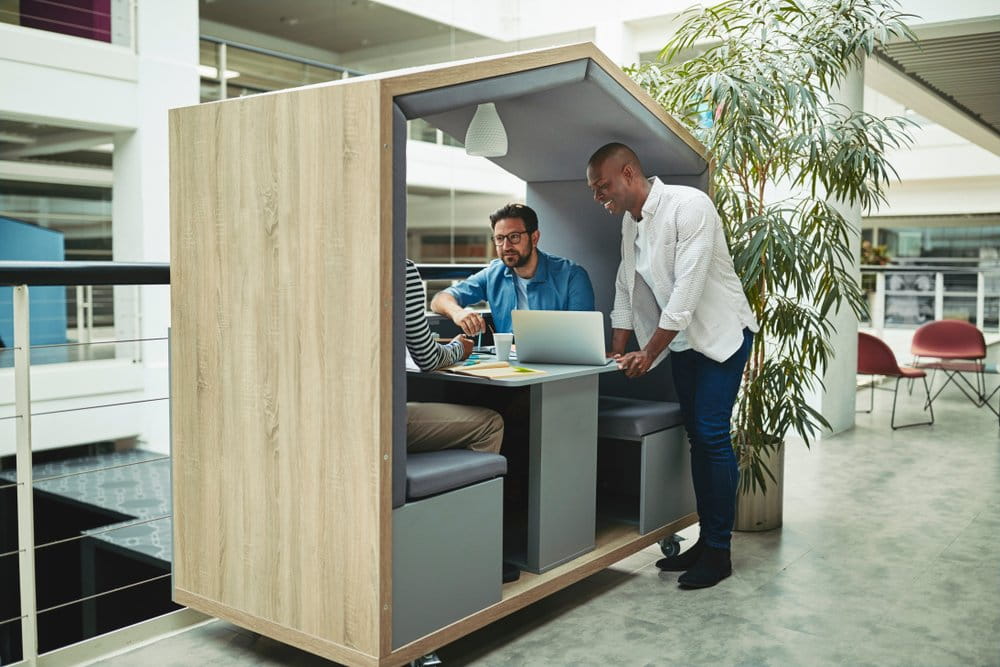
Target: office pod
{"x": 293, "y": 513}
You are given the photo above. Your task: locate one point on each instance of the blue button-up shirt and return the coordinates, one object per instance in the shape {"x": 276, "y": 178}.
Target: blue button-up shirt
{"x": 558, "y": 284}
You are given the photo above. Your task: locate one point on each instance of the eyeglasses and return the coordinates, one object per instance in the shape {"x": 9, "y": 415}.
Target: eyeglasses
{"x": 513, "y": 237}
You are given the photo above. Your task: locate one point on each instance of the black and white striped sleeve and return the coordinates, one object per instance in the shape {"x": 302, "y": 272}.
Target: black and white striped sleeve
{"x": 426, "y": 352}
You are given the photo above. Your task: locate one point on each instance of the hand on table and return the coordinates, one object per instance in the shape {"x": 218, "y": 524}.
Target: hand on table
{"x": 466, "y": 345}
{"x": 471, "y": 323}
{"x": 634, "y": 364}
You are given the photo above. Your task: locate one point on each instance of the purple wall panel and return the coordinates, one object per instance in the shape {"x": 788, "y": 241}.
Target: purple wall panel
{"x": 90, "y": 19}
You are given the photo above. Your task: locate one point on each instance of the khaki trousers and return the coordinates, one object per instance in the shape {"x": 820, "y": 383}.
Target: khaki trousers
{"x": 434, "y": 426}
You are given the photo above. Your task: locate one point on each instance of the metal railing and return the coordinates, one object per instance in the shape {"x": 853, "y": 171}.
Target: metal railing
{"x": 108, "y": 532}
{"x": 905, "y": 296}
{"x": 261, "y": 69}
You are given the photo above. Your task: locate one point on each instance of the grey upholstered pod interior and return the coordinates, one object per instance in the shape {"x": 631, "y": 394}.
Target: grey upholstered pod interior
{"x": 550, "y": 142}
{"x": 549, "y": 139}
{"x": 398, "y": 307}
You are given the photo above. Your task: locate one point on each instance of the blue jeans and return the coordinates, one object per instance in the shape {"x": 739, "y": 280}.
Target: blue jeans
{"x": 706, "y": 390}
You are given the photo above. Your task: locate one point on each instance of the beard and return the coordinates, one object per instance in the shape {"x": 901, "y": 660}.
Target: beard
{"x": 515, "y": 259}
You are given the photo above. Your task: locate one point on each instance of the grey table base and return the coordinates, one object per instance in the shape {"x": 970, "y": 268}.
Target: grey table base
{"x": 562, "y": 472}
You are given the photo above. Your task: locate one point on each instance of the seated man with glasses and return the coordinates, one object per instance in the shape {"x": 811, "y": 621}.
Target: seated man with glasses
{"x": 524, "y": 278}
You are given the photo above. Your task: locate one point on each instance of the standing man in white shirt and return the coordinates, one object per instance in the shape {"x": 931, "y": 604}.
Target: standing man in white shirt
{"x": 673, "y": 242}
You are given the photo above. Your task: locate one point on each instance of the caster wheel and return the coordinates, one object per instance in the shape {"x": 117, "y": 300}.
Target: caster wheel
{"x": 671, "y": 546}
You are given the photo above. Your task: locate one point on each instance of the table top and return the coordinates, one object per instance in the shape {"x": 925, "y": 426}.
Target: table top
{"x": 552, "y": 372}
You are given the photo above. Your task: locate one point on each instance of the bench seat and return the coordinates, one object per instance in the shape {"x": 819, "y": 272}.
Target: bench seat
{"x": 632, "y": 418}
{"x": 643, "y": 454}
{"x": 431, "y": 473}
{"x": 447, "y": 540}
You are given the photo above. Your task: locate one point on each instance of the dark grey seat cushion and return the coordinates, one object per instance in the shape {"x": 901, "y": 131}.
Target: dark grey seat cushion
{"x": 632, "y": 418}
{"x": 430, "y": 473}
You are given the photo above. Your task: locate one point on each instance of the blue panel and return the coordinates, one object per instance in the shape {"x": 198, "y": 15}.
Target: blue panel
{"x": 20, "y": 241}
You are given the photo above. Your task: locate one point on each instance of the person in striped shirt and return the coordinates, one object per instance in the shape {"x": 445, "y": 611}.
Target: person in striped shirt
{"x": 435, "y": 426}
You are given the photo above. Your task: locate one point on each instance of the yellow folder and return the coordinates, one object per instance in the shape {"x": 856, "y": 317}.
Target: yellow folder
{"x": 492, "y": 369}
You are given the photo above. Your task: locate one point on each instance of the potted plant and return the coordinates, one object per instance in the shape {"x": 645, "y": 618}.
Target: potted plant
{"x": 760, "y": 93}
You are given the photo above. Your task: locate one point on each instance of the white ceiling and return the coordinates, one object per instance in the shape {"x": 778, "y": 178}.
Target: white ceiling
{"x": 963, "y": 69}
{"x": 340, "y": 26}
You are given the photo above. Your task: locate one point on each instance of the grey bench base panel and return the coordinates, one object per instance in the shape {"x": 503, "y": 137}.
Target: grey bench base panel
{"x": 665, "y": 489}
{"x": 655, "y": 472}
{"x": 447, "y": 555}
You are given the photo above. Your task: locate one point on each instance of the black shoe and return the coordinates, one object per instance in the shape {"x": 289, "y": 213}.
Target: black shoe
{"x": 713, "y": 566}
{"x": 682, "y": 561}
{"x": 511, "y": 572}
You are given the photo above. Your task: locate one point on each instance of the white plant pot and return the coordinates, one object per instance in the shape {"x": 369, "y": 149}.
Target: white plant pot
{"x": 757, "y": 511}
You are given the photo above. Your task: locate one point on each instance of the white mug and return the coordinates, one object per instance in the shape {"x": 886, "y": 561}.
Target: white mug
{"x": 503, "y": 342}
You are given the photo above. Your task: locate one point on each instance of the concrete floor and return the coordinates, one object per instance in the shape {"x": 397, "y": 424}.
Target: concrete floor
{"x": 889, "y": 555}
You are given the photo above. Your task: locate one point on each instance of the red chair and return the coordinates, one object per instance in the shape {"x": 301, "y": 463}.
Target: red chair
{"x": 959, "y": 348}
{"x": 875, "y": 358}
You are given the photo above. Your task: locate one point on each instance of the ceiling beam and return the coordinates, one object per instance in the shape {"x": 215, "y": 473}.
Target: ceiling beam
{"x": 889, "y": 80}
{"x": 16, "y": 138}
{"x": 960, "y": 28}
{"x": 58, "y": 143}
{"x": 97, "y": 177}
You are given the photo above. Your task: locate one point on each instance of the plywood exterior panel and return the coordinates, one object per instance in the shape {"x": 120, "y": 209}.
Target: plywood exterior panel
{"x": 280, "y": 382}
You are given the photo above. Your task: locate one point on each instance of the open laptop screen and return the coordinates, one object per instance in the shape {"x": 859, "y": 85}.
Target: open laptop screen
{"x": 559, "y": 336}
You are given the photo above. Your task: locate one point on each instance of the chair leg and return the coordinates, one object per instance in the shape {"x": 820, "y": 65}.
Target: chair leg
{"x": 933, "y": 375}
{"x": 909, "y": 383}
{"x": 949, "y": 378}
{"x": 989, "y": 397}
{"x": 927, "y": 406}
{"x": 927, "y": 390}
{"x": 871, "y": 398}
{"x": 977, "y": 394}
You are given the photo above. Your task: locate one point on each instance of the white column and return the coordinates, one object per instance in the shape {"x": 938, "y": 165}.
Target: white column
{"x": 167, "y": 49}
{"x": 837, "y": 401}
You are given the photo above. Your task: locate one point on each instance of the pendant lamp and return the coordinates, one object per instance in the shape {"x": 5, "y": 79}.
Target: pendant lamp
{"x": 486, "y": 135}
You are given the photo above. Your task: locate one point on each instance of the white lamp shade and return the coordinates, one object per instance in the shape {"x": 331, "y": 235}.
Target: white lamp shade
{"x": 486, "y": 135}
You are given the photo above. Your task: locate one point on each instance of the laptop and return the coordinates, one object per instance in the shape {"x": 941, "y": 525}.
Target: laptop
{"x": 559, "y": 337}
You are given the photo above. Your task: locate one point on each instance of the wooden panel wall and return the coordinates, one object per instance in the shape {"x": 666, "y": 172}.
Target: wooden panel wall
{"x": 281, "y": 388}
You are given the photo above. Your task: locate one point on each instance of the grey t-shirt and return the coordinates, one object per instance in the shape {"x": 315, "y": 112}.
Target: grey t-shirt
{"x": 521, "y": 286}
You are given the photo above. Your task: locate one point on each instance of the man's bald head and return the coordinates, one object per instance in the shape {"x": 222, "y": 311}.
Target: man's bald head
{"x": 616, "y": 154}
{"x": 615, "y": 177}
